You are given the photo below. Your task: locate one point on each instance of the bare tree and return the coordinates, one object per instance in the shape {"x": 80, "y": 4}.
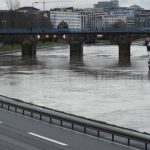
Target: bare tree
{"x": 13, "y": 4}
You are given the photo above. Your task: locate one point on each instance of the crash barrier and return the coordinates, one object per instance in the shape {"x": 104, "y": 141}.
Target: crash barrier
{"x": 72, "y": 121}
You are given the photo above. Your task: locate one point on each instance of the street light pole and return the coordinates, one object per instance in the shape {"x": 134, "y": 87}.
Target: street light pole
{"x": 43, "y": 5}
{"x": 3, "y": 22}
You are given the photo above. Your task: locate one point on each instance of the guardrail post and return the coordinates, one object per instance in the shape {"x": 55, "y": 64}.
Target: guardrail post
{"x": 113, "y": 137}
{"x": 145, "y": 146}
{"x": 8, "y": 107}
{"x": 2, "y": 105}
{"x": 50, "y": 119}
{"x": 72, "y": 126}
{"x": 23, "y": 111}
{"x": 15, "y": 109}
{"x": 40, "y": 117}
{"x": 128, "y": 141}
{"x": 61, "y": 123}
{"x": 32, "y": 114}
{"x": 84, "y": 129}
{"x": 98, "y": 133}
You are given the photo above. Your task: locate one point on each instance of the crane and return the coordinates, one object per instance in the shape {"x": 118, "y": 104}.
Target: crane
{"x": 44, "y": 2}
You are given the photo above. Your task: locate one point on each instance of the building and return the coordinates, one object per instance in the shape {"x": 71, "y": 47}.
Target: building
{"x": 91, "y": 18}
{"x": 73, "y": 19}
{"x": 107, "y": 5}
{"x": 111, "y": 20}
{"x": 77, "y": 18}
{"x": 142, "y": 18}
{"x": 29, "y": 10}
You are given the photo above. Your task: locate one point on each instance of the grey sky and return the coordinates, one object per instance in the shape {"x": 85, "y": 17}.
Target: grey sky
{"x": 76, "y": 3}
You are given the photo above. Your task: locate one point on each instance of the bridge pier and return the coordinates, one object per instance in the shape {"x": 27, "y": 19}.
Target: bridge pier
{"x": 28, "y": 48}
{"x": 76, "y": 47}
{"x": 124, "y": 53}
{"x": 76, "y": 50}
{"x": 124, "y": 42}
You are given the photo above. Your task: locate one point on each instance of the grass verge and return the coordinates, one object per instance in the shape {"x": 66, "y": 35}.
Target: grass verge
{"x": 9, "y": 47}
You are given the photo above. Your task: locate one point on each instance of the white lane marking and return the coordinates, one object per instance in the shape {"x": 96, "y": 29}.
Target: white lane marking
{"x": 48, "y": 139}
{"x": 1, "y": 122}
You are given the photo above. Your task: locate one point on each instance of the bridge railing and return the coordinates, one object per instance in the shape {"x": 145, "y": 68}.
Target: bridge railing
{"x": 73, "y": 121}
{"x": 61, "y": 31}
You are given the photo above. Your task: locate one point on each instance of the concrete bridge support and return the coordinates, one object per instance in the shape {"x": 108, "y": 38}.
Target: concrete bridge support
{"x": 124, "y": 53}
{"x": 28, "y": 48}
{"x": 76, "y": 48}
{"x": 76, "y": 52}
{"x": 124, "y": 42}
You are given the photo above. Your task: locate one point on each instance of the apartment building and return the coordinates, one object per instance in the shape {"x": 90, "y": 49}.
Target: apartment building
{"x": 110, "y": 20}
{"x": 71, "y": 18}
{"x": 77, "y": 18}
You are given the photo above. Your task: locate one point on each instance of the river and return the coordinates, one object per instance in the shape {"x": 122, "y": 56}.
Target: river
{"x": 96, "y": 87}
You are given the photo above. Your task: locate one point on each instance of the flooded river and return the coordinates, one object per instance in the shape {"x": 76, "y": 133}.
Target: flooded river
{"x": 96, "y": 87}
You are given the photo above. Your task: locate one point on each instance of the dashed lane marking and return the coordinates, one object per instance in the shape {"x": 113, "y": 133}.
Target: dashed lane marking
{"x": 47, "y": 139}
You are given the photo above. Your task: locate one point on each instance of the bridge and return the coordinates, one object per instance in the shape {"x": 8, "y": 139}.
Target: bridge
{"x": 78, "y": 31}
{"x": 123, "y": 37}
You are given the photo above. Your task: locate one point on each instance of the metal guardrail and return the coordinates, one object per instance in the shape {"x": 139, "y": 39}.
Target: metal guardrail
{"x": 114, "y": 131}
{"x": 69, "y": 31}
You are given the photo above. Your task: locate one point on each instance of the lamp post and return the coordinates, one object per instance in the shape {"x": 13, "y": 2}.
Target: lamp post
{"x": 142, "y": 21}
{"x": 3, "y": 24}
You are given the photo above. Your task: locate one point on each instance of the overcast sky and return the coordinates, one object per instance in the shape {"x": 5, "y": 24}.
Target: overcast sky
{"x": 75, "y": 3}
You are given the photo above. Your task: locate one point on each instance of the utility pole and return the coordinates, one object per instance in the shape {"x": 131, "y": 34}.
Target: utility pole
{"x": 42, "y": 3}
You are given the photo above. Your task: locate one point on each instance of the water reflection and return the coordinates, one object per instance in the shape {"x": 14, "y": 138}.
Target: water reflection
{"x": 76, "y": 61}
{"x": 113, "y": 72}
{"x": 29, "y": 61}
{"x": 125, "y": 63}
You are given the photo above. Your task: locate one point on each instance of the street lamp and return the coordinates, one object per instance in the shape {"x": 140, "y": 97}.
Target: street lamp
{"x": 142, "y": 21}
{"x": 3, "y": 22}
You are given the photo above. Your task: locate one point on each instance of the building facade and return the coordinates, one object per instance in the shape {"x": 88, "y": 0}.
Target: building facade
{"x": 73, "y": 19}
{"x": 78, "y": 18}
{"x": 91, "y": 18}
{"x": 111, "y": 20}
{"x": 142, "y": 18}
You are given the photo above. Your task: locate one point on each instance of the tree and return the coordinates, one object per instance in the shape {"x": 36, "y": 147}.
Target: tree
{"x": 13, "y": 4}
{"x": 120, "y": 24}
{"x": 62, "y": 25}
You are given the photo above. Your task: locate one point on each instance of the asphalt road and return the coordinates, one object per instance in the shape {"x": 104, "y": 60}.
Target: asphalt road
{"x": 19, "y": 132}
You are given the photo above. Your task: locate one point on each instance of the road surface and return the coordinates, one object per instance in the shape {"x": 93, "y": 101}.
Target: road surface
{"x": 19, "y": 132}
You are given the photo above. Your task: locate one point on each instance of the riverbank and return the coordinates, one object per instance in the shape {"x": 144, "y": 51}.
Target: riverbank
{"x": 9, "y": 47}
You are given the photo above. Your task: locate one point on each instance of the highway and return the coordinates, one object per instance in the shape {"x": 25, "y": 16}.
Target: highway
{"x": 19, "y": 132}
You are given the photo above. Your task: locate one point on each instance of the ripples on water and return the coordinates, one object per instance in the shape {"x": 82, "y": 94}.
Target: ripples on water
{"x": 96, "y": 87}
